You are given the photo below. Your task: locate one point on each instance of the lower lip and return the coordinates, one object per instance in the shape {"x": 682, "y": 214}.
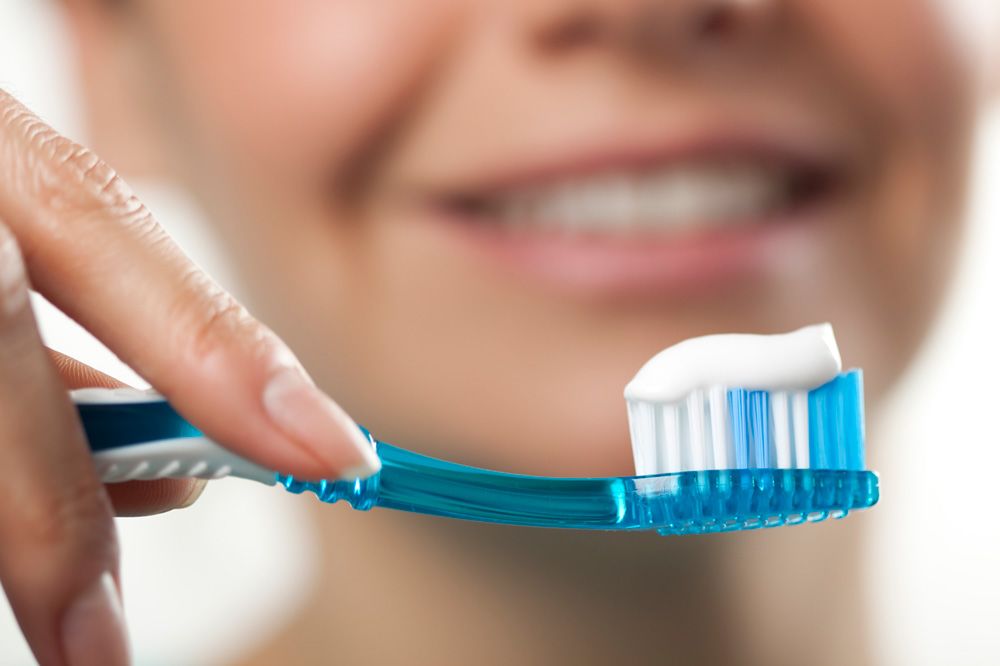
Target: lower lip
{"x": 661, "y": 264}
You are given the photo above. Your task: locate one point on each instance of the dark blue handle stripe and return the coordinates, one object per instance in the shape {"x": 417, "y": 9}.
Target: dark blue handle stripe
{"x": 110, "y": 426}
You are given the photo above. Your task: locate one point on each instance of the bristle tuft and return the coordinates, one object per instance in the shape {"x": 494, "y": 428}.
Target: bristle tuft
{"x": 733, "y": 428}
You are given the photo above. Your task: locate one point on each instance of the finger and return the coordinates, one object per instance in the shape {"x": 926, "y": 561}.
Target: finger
{"x": 75, "y": 374}
{"x": 58, "y": 548}
{"x": 99, "y": 255}
{"x": 147, "y": 498}
{"x": 132, "y": 498}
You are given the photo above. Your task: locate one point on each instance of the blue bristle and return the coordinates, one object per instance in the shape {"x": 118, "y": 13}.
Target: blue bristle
{"x": 837, "y": 424}
{"x": 818, "y": 428}
{"x": 759, "y": 427}
{"x": 750, "y": 415}
{"x": 739, "y": 417}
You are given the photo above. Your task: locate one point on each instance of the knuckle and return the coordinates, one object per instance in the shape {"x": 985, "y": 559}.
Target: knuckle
{"x": 60, "y": 174}
{"x": 13, "y": 114}
{"x": 213, "y": 319}
{"x": 97, "y": 185}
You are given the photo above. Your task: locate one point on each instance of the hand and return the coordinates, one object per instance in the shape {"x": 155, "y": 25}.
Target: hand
{"x": 71, "y": 229}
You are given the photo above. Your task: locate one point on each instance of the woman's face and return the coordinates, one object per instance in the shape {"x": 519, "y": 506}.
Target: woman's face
{"x": 475, "y": 220}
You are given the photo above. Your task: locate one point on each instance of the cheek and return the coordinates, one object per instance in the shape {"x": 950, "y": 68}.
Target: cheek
{"x": 297, "y": 84}
{"x": 899, "y": 52}
{"x": 915, "y": 84}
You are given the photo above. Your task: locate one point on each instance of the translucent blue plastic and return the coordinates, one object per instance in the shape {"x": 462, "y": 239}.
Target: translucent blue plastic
{"x": 682, "y": 503}
{"x": 754, "y": 495}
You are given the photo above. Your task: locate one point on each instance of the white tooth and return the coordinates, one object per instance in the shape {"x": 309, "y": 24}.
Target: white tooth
{"x": 622, "y": 194}
{"x": 670, "y": 199}
{"x": 540, "y": 209}
{"x": 588, "y": 205}
{"x": 514, "y": 212}
{"x": 557, "y": 207}
{"x": 673, "y": 198}
{"x": 572, "y": 206}
{"x": 606, "y": 203}
{"x": 751, "y": 192}
{"x": 732, "y": 199}
{"x": 651, "y": 195}
{"x": 702, "y": 191}
{"x": 733, "y": 195}
{"x": 728, "y": 195}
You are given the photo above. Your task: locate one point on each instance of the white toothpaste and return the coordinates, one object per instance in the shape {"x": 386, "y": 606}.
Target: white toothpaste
{"x": 796, "y": 361}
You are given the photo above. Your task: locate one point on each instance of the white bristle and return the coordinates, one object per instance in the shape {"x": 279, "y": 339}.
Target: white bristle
{"x": 642, "y": 428}
{"x": 672, "y": 438}
{"x": 696, "y": 433}
{"x": 800, "y": 428}
{"x": 781, "y": 419}
{"x": 722, "y": 439}
{"x": 697, "y": 447}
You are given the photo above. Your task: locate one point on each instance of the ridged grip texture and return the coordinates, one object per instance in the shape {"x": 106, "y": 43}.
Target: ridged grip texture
{"x": 137, "y": 435}
{"x": 189, "y": 457}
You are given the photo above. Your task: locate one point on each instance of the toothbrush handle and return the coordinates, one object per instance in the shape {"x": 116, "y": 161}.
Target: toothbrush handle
{"x": 137, "y": 436}
{"x": 416, "y": 483}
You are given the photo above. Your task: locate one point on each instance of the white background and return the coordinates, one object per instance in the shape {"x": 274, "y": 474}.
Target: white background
{"x": 199, "y": 582}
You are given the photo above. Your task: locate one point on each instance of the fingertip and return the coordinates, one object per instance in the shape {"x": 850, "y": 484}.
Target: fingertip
{"x": 80, "y": 375}
{"x": 317, "y": 427}
{"x": 146, "y": 498}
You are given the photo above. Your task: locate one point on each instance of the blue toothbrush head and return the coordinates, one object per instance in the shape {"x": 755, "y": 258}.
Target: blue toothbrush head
{"x": 769, "y": 458}
{"x": 752, "y": 430}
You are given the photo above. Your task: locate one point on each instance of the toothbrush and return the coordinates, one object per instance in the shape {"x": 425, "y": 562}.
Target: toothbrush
{"x": 715, "y": 459}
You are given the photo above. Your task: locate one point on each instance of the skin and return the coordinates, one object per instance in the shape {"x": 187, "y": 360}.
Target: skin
{"x": 304, "y": 128}
{"x": 59, "y": 202}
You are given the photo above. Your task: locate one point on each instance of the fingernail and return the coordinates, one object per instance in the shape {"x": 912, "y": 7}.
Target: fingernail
{"x": 314, "y": 421}
{"x": 93, "y": 628}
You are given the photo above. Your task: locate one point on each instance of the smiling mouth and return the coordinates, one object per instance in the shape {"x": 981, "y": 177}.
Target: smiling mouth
{"x": 711, "y": 216}
{"x": 672, "y": 200}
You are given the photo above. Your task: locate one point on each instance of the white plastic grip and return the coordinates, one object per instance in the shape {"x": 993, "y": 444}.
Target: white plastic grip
{"x": 186, "y": 457}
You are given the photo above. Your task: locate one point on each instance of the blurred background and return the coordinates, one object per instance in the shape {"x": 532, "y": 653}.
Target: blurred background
{"x": 933, "y": 581}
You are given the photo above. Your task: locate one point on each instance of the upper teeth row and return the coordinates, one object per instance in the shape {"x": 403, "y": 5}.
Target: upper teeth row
{"x": 669, "y": 198}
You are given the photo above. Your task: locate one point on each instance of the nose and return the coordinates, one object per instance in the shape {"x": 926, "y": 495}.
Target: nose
{"x": 659, "y": 29}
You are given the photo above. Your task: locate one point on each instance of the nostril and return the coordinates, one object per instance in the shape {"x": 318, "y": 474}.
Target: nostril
{"x": 717, "y": 23}
{"x": 577, "y": 30}
{"x": 733, "y": 20}
{"x": 657, "y": 29}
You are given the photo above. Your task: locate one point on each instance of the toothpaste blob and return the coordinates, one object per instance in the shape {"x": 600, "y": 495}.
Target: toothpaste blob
{"x": 800, "y": 360}
{"x": 745, "y": 401}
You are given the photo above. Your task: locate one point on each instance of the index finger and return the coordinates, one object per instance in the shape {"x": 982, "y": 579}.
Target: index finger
{"x": 96, "y": 252}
